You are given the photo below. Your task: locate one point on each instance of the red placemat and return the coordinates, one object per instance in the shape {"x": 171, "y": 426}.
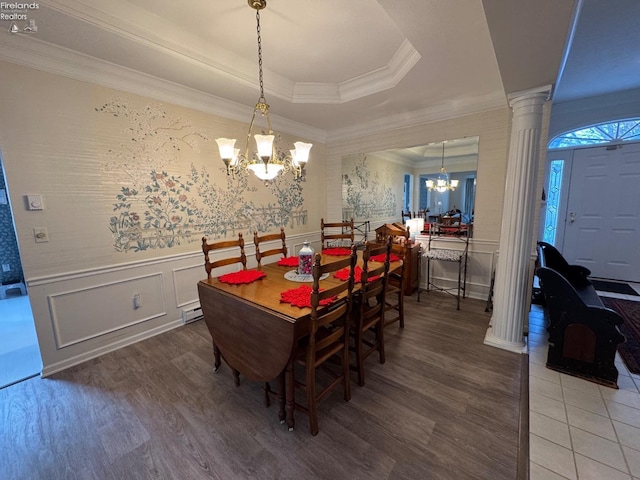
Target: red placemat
{"x": 337, "y": 252}
{"x": 243, "y": 276}
{"x": 288, "y": 262}
{"x": 357, "y": 275}
{"x": 380, "y": 258}
{"x": 301, "y": 297}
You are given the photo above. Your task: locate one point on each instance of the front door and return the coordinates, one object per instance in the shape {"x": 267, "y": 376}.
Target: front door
{"x": 602, "y": 226}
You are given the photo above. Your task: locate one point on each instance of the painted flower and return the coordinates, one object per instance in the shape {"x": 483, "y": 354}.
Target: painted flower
{"x": 135, "y": 217}
{"x": 170, "y": 184}
{"x": 182, "y": 198}
{"x": 157, "y": 200}
{"x": 159, "y": 176}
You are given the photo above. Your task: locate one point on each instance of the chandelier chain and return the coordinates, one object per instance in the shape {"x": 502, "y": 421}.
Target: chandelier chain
{"x": 261, "y": 99}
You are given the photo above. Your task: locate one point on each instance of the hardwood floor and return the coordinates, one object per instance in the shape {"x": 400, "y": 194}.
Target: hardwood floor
{"x": 443, "y": 406}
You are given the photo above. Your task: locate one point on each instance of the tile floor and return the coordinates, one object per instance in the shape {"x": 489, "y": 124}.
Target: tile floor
{"x": 19, "y": 351}
{"x": 577, "y": 429}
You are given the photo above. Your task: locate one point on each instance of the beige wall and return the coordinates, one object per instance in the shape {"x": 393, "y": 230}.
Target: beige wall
{"x": 96, "y": 154}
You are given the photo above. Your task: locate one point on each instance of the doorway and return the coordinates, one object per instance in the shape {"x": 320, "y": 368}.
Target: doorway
{"x": 19, "y": 350}
{"x": 592, "y": 208}
{"x": 602, "y": 219}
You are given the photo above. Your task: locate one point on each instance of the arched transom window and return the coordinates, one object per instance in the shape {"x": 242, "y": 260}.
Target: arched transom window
{"x": 620, "y": 131}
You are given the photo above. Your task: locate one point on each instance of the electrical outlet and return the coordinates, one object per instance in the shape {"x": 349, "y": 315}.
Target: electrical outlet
{"x": 6, "y": 267}
{"x": 41, "y": 234}
{"x": 137, "y": 300}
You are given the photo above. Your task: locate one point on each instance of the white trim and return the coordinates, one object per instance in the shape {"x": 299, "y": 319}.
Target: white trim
{"x": 493, "y": 341}
{"x": 111, "y": 347}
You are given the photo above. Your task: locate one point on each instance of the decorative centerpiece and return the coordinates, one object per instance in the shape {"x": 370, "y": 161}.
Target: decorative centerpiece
{"x": 305, "y": 259}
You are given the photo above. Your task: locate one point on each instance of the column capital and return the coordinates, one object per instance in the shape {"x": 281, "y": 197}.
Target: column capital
{"x": 538, "y": 94}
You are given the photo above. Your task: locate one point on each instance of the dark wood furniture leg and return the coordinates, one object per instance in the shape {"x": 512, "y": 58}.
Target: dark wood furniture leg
{"x": 216, "y": 358}
{"x": 290, "y": 396}
{"x": 281, "y": 397}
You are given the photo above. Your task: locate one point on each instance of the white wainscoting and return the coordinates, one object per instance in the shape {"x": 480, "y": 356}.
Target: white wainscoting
{"x": 70, "y": 328}
{"x": 479, "y": 266}
{"x": 184, "y": 278}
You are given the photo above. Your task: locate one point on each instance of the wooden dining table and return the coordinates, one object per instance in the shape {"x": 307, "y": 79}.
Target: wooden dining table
{"x": 254, "y": 331}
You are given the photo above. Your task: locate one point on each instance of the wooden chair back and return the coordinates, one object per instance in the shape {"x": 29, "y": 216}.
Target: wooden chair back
{"x": 422, "y": 214}
{"x": 258, "y": 239}
{"x": 208, "y": 247}
{"x": 319, "y": 319}
{"x": 371, "y": 302}
{"x": 405, "y": 216}
{"x": 328, "y": 336}
{"x": 336, "y": 231}
{"x": 374, "y": 289}
{"x": 394, "y": 296}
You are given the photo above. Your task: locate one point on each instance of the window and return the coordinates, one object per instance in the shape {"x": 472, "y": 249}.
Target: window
{"x": 553, "y": 201}
{"x": 620, "y": 131}
{"x": 407, "y": 192}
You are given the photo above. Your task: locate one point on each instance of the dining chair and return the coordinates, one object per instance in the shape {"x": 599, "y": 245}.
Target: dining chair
{"x": 328, "y": 338}
{"x": 422, "y": 214}
{"x": 209, "y": 266}
{"x": 405, "y": 216}
{"x": 208, "y": 247}
{"x": 394, "y": 296}
{"x": 258, "y": 239}
{"x": 336, "y": 231}
{"x": 369, "y": 306}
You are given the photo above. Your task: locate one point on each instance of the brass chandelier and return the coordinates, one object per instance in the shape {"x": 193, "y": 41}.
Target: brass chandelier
{"x": 442, "y": 183}
{"x": 268, "y": 161}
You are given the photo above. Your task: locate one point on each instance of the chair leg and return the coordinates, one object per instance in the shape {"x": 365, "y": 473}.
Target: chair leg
{"x": 236, "y": 377}
{"x": 267, "y": 394}
{"x": 345, "y": 367}
{"x": 290, "y": 396}
{"x": 311, "y": 396}
{"x": 401, "y": 309}
{"x": 281, "y": 402}
{"x": 359, "y": 356}
{"x": 380, "y": 339}
{"x": 216, "y": 358}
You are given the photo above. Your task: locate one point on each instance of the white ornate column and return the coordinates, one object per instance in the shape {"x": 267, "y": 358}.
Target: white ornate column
{"x": 512, "y": 283}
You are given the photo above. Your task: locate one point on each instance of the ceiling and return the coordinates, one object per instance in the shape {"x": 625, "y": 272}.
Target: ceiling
{"x": 335, "y": 68}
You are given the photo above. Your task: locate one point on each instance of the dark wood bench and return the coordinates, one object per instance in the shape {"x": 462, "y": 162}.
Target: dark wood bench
{"x": 583, "y": 333}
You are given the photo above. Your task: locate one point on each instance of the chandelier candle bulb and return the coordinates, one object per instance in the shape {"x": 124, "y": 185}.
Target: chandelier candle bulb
{"x": 265, "y": 146}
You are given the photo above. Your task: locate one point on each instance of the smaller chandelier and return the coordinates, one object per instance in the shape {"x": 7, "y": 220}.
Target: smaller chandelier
{"x": 268, "y": 161}
{"x": 442, "y": 182}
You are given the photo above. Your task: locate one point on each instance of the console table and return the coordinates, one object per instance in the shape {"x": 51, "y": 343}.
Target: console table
{"x": 456, "y": 255}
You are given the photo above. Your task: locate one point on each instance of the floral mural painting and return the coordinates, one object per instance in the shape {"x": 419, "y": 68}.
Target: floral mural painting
{"x": 157, "y": 209}
{"x": 368, "y": 192}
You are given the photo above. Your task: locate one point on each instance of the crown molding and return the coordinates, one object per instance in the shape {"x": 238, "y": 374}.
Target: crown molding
{"x": 364, "y": 85}
{"x": 132, "y": 27}
{"x": 445, "y": 111}
{"x": 33, "y": 53}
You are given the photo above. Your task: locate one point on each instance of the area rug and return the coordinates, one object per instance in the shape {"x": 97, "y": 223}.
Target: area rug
{"x": 630, "y": 312}
{"x": 613, "y": 287}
